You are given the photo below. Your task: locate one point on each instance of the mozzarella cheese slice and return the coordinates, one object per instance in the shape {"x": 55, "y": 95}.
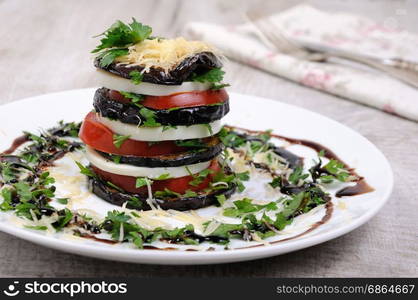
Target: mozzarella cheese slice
{"x": 129, "y": 170}
{"x": 114, "y": 82}
{"x": 156, "y": 134}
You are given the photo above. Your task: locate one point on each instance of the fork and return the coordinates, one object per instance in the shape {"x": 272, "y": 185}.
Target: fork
{"x": 406, "y": 71}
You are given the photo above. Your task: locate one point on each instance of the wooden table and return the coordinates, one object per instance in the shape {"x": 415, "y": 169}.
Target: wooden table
{"x": 45, "y": 48}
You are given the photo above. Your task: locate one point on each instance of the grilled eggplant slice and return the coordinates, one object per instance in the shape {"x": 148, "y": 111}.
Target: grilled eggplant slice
{"x": 111, "y": 195}
{"x": 127, "y": 113}
{"x": 196, "y": 64}
{"x": 213, "y": 147}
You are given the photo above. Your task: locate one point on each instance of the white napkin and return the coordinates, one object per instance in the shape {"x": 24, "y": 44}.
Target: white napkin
{"x": 348, "y": 32}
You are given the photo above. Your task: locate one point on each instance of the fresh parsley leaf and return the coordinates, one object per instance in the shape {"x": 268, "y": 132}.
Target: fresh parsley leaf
{"x": 136, "y": 77}
{"x": 23, "y": 209}
{"x": 194, "y": 143}
{"x": 167, "y": 194}
{"x": 6, "y": 205}
{"x": 142, "y": 181}
{"x": 118, "y": 140}
{"x": 226, "y": 230}
{"x": 244, "y": 176}
{"x": 114, "y": 186}
{"x": 8, "y": 173}
{"x": 200, "y": 177}
{"x": 149, "y": 116}
{"x": 123, "y": 35}
{"x": 265, "y": 136}
{"x": 281, "y": 221}
{"x": 62, "y": 200}
{"x": 85, "y": 170}
{"x": 38, "y": 227}
{"x": 135, "y": 98}
{"x": 65, "y": 217}
{"x": 168, "y": 127}
{"x": 163, "y": 176}
{"x": 108, "y": 56}
{"x": 189, "y": 193}
{"x": 116, "y": 158}
{"x": 209, "y": 127}
{"x": 337, "y": 168}
{"x": 218, "y": 86}
{"x": 135, "y": 202}
{"x": 23, "y": 190}
{"x": 221, "y": 199}
{"x": 214, "y": 75}
{"x": 246, "y": 206}
{"x": 231, "y": 139}
{"x": 137, "y": 239}
{"x": 276, "y": 182}
{"x": 297, "y": 175}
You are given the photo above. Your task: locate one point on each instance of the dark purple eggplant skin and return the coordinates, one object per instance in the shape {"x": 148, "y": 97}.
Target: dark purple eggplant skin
{"x": 113, "y": 196}
{"x": 185, "y": 116}
{"x": 196, "y": 64}
{"x": 172, "y": 160}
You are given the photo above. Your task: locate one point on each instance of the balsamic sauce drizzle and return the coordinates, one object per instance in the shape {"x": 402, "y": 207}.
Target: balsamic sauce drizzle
{"x": 17, "y": 142}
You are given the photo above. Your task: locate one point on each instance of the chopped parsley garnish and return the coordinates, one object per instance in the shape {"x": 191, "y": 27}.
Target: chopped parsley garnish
{"x": 118, "y": 140}
{"x": 135, "y": 98}
{"x": 168, "y": 127}
{"x": 36, "y": 227}
{"x": 297, "y": 175}
{"x": 136, "y": 77}
{"x": 142, "y": 181}
{"x": 85, "y": 170}
{"x": 194, "y": 143}
{"x": 114, "y": 186}
{"x": 163, "y": 176}
{"x": 116, "y": 158}
{"x": 199, "y": 177}
{"x": 108, "y": 56}
{"x": 149, "y": 116}
{"x": 221, "y": 199}
{"x": 245, "y": 206}
{"x": 62, "y": 200}
{"x": 214, "y": 76}
{"x": 331, "y": 171}
{"x": 218, "y": 86}
{"x": 167, "y": 194}
{"x": 136, "y": 203}
{"x": 231, "y": 139}
{"x": 209, "y": 127}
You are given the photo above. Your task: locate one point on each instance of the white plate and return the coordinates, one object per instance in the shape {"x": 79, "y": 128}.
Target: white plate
{"x": 246, "y": 111}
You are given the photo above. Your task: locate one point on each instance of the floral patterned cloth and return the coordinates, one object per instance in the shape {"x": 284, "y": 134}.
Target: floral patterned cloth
{"x": 354, "y": 33}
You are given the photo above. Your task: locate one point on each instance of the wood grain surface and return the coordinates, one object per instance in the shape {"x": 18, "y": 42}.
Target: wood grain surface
{"x": 44, "y": 47}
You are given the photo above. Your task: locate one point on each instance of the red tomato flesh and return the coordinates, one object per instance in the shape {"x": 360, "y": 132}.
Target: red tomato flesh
{"x": 186, "y": 99}
{"x": 99, "y": 137}
{"x": 178, "y": 185}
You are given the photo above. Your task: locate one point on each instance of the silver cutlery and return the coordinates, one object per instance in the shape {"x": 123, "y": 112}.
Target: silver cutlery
{"x": 406, "y": 71}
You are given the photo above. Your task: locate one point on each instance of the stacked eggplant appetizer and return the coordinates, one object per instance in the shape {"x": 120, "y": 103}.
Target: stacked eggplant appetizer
{"x": 152, "y": 139}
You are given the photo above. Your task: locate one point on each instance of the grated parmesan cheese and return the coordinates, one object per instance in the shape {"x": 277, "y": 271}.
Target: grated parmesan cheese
{"x": 150, "y": 200}
{"x": 162, "y": 53}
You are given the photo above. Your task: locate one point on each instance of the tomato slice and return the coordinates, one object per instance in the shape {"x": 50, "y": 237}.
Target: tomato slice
{"x": 99, "y": 137}
{"x": 186, "y": 99}
{"x": 178, "y": 185}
